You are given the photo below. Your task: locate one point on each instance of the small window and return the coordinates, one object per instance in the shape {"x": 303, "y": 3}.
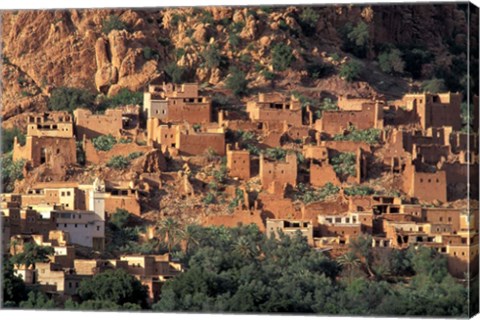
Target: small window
{"x": 68, "y": 193}
{"x": 76, "y": 225}
{"x": 65, "y": 225}
{"x": 86, "y": 225}
{"x": 98, "y": 228}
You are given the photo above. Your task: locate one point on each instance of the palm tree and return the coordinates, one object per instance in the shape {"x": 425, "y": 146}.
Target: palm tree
{"x": 361, "y": 247}
{"x": 350, "y": 262}
{"x": 191, "y": 236}
{"x": 170, "y": 230}
{"x": 244, "y": 248}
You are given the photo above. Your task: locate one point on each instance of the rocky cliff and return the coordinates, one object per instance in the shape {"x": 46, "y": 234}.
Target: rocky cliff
{"x": 47, "y": 49}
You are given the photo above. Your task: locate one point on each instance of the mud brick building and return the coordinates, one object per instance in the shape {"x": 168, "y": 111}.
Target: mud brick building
{"x": 370, "y": 115}
{"x": 238, "y": 163}
{"x": 177, "y": 103}
{"x": 289, "y": 227}
{"x": 280, "y": 172}
{"x": 50, "y": 140}
{"x": 185, "y": 138}
{"x": 434, "y": 110}
{"x": 90, "y": 125}
{"x": 274, "y": 108}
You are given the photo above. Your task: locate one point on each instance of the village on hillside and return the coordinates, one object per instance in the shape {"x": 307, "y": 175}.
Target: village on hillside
{"x": 394, "y": 170}
{"x": 317, "y": 159}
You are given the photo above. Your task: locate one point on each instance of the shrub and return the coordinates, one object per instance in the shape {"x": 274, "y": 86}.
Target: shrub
{"x": 237, "y": 26}
{"x": 308, "y": 195}
{"x": 335, "y": 57}
{"x": 275, "y": 153}
{"x": 268, "y": 75}
{"x": 207, "y": 17}
{"x": 308, "y": 21}
{"x": 209, "y": 198}
{"x": 125, "y": 140}
{"x": 8, "y": 136}
{"x": 148, "y": 53}
{"x": 11, "y": 171}
{"x": 118, "y": 162}
{"x": 177, "y": 74}
{"x": 350, "y": 71}
{"x": 391, "y": 62}
{"x": 434, "y": 85}
{"x": 236, "y": 200}
{"x": 246, "y": 59}
{"x": 177, "y": 18}
{"x": 359, "y": 191}
{"x": 370, "y": 136}
{"x": 80, "y": 153}
{"x": 212, "y": 57}
{"x": 237, "y": 82}
{"x": 344, "y": 164}
{"x": 112, "y": 23}
{"x": 318, "y": 70}
{"x": 414, "y": 59}
{"x": 282, "y": 56}
{"x": 124, "y": 97}
{"x": 134, "y": 155}
{"x": 233, "y": 40}
{"x": 179, "y": 53}
{"x": 69, "y": 99}
{"x": 327, "y": 104}
{"x": 104, "y": 143}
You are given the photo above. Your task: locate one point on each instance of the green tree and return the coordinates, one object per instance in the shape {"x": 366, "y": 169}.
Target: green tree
{"x": 124, "y": 97}
{"x": 308, "y": 21}
{"x": 212, "y": 57}
{"x": 69, "y": 99}
{"x": 349, "y": 262}
{"x": 170, "y": 231}
{"x": 176, "y": 73}
{"x": 8, "y": 136}
{"x": 37, "y": 300}
{"x": 356, "y": 39}
{"x": 344, "y": 164}
{"x": 104, "y": 143}
{"x": 113, "y": 22}
{"x": 14, "y": 290}
{"x": 351, "y": 71}
{"x": 434, "y": 86}
{"x": 31, "y": 254}
{"x": 115, "y": 286}
{"x": 12, "y": 171}
{"x": 391, "y": 62}
{"x": 361, "y": 247}
{"x": 237, "y": 82}
{"x": 282, "y": 56}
